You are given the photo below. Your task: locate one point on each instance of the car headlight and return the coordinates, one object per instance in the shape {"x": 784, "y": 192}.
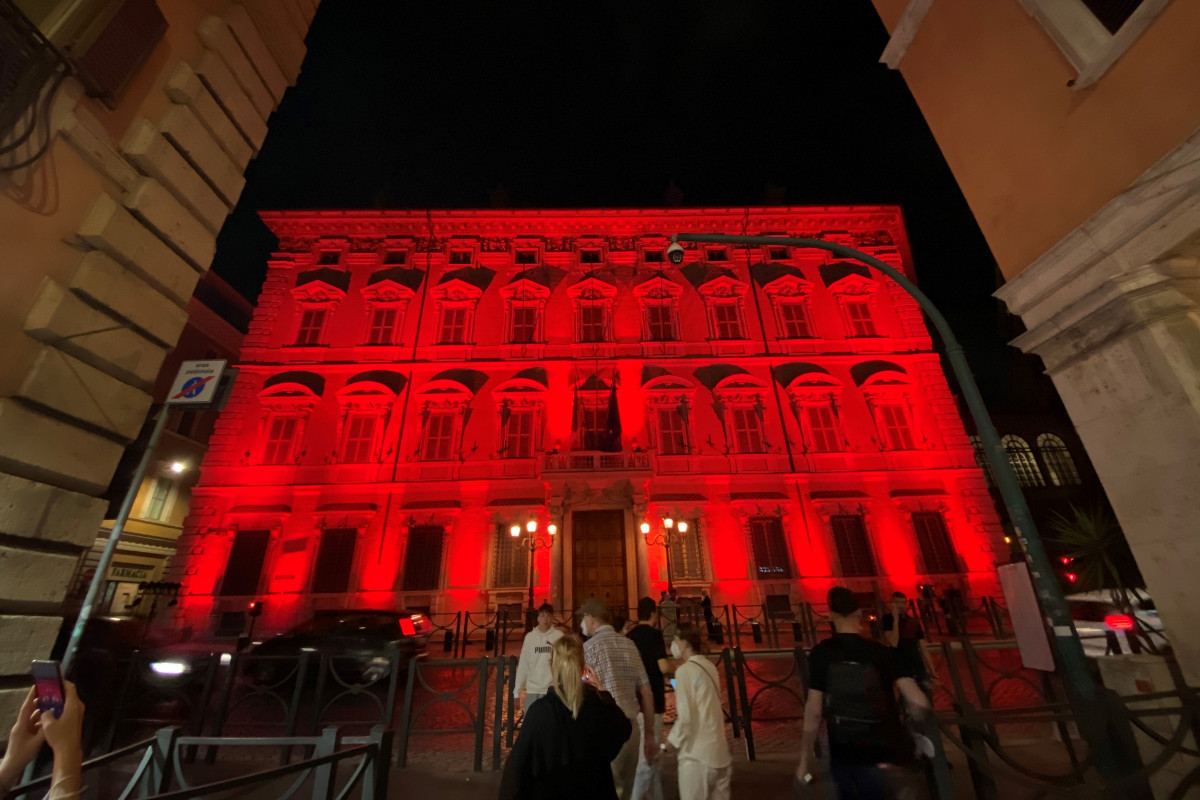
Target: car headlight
{"x": 170, "y": 669}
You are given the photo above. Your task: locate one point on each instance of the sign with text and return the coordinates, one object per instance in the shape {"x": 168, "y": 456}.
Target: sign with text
{"x": 196, "y": 383}
{"x": 1026, "y": 617}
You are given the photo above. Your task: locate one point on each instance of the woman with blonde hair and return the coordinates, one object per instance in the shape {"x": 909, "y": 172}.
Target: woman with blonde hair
{"x": 569, "y": 737}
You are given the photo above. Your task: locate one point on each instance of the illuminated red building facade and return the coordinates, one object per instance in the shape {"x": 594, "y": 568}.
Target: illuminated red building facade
{"x": 413, "y": 385}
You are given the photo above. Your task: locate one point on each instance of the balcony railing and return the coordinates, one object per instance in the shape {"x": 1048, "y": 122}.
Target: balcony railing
{"x": 594, "y": 461}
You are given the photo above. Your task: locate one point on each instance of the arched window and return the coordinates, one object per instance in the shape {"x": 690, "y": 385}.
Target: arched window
{"x": 1058, "y": 460}
{"x": 1023, "y": 463}
{"x": 981, "y": 459}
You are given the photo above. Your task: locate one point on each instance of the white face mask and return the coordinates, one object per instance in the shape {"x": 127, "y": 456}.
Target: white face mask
{"x": 583, "y": 628}
{"x": 676, "y": 650}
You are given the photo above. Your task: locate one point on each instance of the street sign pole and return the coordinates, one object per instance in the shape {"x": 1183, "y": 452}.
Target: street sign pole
{"x": 196, "y": 385}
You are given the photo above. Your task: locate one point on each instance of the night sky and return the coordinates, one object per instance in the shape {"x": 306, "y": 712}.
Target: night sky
{"x": 606, "y": 104}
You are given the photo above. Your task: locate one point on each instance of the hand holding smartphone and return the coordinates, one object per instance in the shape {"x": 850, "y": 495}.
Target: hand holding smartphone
{"x": 48, "y": 686}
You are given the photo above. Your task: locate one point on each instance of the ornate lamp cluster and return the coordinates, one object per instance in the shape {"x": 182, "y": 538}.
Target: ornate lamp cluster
{"x": 532, "y": 542}
{"x": 667, "y": 538}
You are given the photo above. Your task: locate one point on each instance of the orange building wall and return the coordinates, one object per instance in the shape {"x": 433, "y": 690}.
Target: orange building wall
{"x": 1034, "y": 157}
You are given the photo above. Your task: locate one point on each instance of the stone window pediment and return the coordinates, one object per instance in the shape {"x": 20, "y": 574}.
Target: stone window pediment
{"x": 788, "y": 286}
{"x": 723, "y": 287}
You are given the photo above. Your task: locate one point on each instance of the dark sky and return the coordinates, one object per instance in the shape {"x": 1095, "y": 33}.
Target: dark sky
{"x": 587, "y": 104}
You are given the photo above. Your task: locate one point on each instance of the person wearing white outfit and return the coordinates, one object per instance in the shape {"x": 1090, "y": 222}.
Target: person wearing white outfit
{"x": 533, "y": 668}
{"x": 705, "y": 767}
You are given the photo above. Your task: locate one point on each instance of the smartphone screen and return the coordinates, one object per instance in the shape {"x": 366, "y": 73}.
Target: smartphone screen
{"x": 48, "y": 686}
{"x": 672, "y": 683}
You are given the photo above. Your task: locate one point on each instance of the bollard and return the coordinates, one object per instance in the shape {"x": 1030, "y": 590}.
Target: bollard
{"x": 797, "y": 632}
{"x": 489, "y": 639}
{"x": 448, "y": 642}
{"x": 756, "y": 631}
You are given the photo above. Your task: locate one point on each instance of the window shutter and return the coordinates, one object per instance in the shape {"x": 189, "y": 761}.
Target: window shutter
{"x": 770, "y": 549}
{"x": 934, "y": 541}
{"x": 335, "y": 556}
{"x": 510, "y": 561}
{"x": 423, "y": 559}
{"x": 245, "y": 563}
{"x": 853, "y": 548}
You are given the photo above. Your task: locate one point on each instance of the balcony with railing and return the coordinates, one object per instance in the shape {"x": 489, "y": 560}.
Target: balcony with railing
{"x": 596, "y": 461}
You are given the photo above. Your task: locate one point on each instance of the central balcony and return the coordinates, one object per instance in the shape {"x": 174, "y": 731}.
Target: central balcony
{"x": 596, "y": 461}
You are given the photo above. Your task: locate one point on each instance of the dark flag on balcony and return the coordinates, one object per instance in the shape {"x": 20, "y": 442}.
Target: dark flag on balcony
{"x": 576, "y": 437}
{"x": 611, "y": 443}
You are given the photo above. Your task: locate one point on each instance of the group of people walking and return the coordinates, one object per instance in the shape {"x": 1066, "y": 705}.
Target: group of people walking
{"x": 594, "y": 705}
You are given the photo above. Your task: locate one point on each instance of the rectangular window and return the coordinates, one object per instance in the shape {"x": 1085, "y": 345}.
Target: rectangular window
{"x": 770, "y": 548}
{"x": 454, "y": 325}
{"x": 383, "y": 325}
{"x": 312, "y": 324}
{"x": 793, "y": 320}
{"x": 894, "y": 427}
{"x": 359, "y": 445}
{"x": 439, "y": 436}
{"x": 335, "y": 557}
{"x": 687, "y": 561}
{"x": 525, "y": 257}
{"x": 329, "y": 258}
{"x": 245, "y": 564}
{"x": 652, "y": 256}
{"x": 510, "y": 560}
{"x": 423, "y": 558}
{"x": 395, "y": 258}
{"x": 593, "y": 323}
{"x": 592, "y": 422}
{"x": 853, "y": 549}
{"x": 747, "y": 431}
{"x": 822, "y": 428}
{"x": 727, "y": 323}
{"x": 1112, "y": 13}
{"x": 716, "y": 254}
{"x": 934, "y": 541}
{"x": 672, "y": 436}
{"x": 660, "y": 322}
{"x": 523, "y": 324}
{"x": 460, "y": 256}
{"x": 156, "y": 507}
{"x": 858, "y": 315}
{"x": 589, "y": 256}
{"x": 518, "y": 435}
{"x": 778, "y": 253}
{"x": 281, "y": 437}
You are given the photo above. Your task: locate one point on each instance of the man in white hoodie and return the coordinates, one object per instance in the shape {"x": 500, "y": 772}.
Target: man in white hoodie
{"x": 533, "y": 668}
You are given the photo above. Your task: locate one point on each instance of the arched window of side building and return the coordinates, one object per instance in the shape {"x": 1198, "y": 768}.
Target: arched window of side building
{"x": 1023, "y": 463}
{"x": 1058, "y": 461}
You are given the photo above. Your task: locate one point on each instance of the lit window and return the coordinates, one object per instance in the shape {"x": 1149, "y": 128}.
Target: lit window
{"x": 853, "y": 548}
{"x": 770, "y": 548}
{"x": 509, "y": 561}
{"x": 525, "y": 257}
{"x": 672, "y": 433}
{"x": 934, "y": 541}
{"x": 454, "y": 325}
{"x": 383, "y": 325}
{"x": 652, "y": 256}
{"x": 981, "y": 459}
{"x": 894, "y": 427}
{"x": 589, "y": 256}
{"x": 1022, "y": 460}
{"x": 439, "y": 436}
{"x": 747, "y": 431}
{"x": 359, "y": 443}
{"x": 460, "y": 257}
{"x": 593, "y": 323}
{"x": 395, "y": 258}
{"x": 687, "y": 557}
{"x": 821, "y": 427}
{"x": 1058, "y": 460}
{"x": 523, "y": 324}
{"x": 858, "y": 317}
{"x": 793, "y": 320}
{"x": 329, "y": 258}
{"x": 281, "y": 436}
{"x": 518, "y": 435}
{"x": 716, "y": 254}
{"x": 312, "y": 325}
{"x": 660, "y": 322}
{"x": 727, "y": 323}
{"x": 156, "y": 507}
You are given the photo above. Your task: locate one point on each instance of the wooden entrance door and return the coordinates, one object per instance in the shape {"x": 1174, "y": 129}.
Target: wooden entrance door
{"x": 598, "y": 557}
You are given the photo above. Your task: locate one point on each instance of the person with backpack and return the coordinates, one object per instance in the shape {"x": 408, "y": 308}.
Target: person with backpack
{"x": 852, "y": 687}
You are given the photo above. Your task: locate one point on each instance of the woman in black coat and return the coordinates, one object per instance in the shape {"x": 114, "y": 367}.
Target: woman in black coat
{"x": 569, "y": 737}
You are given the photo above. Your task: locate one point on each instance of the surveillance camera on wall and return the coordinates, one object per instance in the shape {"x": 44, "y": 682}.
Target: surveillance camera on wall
{"x": 675, "y": 253}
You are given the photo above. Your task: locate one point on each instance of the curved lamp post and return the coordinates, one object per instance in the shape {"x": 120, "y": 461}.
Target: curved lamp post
{"x": 669, "y": 536}
{"x": 1054, "y": 604}
{"x": 532, "y": 543}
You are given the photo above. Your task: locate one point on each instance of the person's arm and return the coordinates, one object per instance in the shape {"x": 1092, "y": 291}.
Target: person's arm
{"x": 64, "y": 734}
{"x": 916, "y": 700}
{"x": 24, "y": 742}
{"x": 523, "y": 666}
{"x": 681, "y": 731}
{"x": 891, "y": 630}
{"x": 814, "y": 706}
{"x": 649, "y": 745}
{"x": 666, "y": 667}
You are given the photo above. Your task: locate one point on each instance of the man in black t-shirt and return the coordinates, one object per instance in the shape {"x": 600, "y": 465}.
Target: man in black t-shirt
{"x": 647, "y": 783}
{"x": 908, "y": 641}
{"x": 852, "y": 683}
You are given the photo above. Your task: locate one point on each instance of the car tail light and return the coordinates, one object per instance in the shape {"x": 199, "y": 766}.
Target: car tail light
{"x": 407, "y": 628}
{"x": 1119, "y": 622}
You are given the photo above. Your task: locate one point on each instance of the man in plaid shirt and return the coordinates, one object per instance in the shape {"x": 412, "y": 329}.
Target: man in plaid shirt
{"x": 618, "y": 665}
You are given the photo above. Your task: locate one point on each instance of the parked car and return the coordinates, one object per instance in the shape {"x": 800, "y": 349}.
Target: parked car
{"x": 1096, "y": 615}
{"x": 361, "y": 642}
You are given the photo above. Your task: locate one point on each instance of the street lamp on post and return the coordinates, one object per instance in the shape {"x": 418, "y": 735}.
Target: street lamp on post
{"x": 531, "y": 542}
{"x": 667, "y": 538}
{"x": 1054, "y": 604}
